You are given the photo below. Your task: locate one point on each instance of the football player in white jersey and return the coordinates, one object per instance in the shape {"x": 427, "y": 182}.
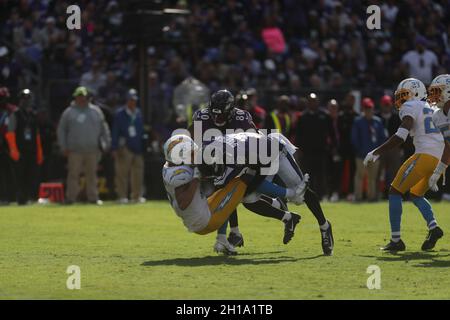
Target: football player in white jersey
{"x": 439, "y": 95}
{"x": 416, "y": 115}
{"x": 202, "y": 214}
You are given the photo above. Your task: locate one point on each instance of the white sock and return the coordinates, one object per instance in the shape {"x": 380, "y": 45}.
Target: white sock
{"x": 287, "y": 216}
{"x": 432, "y": 225}
{"x": 235, "y": 230}
{"x": 324, "y": 226}
{"x": 221, "y": 237}
{"x": 395, "y": 236}
{"x": 290, "y": 193}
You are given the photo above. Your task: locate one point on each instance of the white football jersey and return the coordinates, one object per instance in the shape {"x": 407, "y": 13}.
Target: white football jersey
{"x": 442, "y": 122}
{"x": 427, "y": 138}
{"x": 196, "y": 216}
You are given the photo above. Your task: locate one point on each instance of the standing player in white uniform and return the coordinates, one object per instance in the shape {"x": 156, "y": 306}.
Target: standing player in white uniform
{"x": 439, "y": 94}
{"x": 416, "y": 115}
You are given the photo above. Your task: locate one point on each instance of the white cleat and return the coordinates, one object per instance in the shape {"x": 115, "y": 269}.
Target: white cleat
{"x": 223, "y": 246}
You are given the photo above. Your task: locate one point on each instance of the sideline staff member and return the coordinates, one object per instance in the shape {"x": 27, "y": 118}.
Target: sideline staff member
{"x": 23, "y": 136}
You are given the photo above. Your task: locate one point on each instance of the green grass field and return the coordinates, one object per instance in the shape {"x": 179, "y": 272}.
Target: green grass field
{"x": 144, "y": 252}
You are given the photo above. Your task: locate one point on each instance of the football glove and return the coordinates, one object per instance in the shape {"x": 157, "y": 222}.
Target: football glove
{"x": 437, "y": 173}
{"x": 370, "y": 157}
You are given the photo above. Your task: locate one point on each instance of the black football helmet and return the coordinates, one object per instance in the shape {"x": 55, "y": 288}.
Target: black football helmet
{"x": 220, "y": 107}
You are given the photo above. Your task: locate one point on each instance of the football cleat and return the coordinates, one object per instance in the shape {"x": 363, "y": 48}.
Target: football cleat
{"x": 289, "y": 227}
{"x": 433, "y": 236}
{"x": 236, "y": 239}
{"x": 224, "y": 247}
{"x": 395, "y": 246}
{"x": 327, "y": 240}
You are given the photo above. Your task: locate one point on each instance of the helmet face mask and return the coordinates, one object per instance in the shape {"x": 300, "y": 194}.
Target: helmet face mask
{"x": 439, "y": 90}
{"x": 219, "y": 117}
{"x": 435, "y": 95}
{"x": 401, "y": 96}
{"x": 220, "y": 106}
{"x": 409, "y": 89}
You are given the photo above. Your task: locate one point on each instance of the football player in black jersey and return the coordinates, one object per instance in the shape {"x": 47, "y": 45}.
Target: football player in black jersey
{"x": 222, "y": 114}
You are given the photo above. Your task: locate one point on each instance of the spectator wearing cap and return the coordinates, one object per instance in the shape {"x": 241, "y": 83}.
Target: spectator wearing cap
{"x": 50, "y": 34}
{"x": 420, "y": 63}
{"x": 82, "y": 134}
{"x": 390, "y": 161}
{"x": 368, "y": 133}
{"x": 128, "y": 148}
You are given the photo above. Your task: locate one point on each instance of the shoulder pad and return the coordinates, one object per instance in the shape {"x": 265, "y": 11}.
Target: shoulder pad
{"x": 177, "y": 176}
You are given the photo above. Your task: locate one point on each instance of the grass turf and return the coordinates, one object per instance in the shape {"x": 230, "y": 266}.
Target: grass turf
{"x": 144, "y": 252}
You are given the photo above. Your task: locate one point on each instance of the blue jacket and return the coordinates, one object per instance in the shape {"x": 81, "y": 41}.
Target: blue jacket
{"x": 364, "y": 139}
{"x": 128, "y": 131}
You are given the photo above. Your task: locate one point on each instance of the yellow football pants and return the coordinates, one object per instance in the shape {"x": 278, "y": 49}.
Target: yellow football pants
{"x": 413, "y": 175}
{"x": 222, "y": 204}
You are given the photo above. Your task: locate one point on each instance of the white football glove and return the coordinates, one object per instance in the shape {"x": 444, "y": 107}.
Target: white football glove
{"x": 432, "y": 182}
{"x": 437, "y": 173}
{"x": 370, "y": 157}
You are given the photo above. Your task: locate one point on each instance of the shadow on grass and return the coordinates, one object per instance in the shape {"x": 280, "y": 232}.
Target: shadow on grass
{"x": 434, "y": 264}
{"x": 431, "y": 256}
{"x": 220, "y": 260}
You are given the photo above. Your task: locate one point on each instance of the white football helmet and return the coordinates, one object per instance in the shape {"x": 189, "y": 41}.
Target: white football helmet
{"x": 179, "y": 149}
{"x": 410, "y": 89}
{"x": 439, "y": 90}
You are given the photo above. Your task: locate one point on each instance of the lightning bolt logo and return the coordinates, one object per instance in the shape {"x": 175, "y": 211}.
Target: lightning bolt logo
{"x": 225, "y": 200}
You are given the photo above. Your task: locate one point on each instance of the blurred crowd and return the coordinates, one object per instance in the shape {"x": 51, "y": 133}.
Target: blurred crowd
{"x": 279, "y": 47}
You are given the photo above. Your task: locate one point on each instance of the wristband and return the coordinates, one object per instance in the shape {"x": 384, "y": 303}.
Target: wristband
{"x": 440, "y": 168}
{"x": 402, "y": 133}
